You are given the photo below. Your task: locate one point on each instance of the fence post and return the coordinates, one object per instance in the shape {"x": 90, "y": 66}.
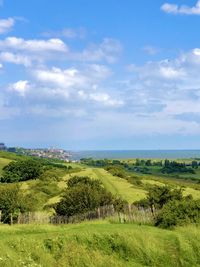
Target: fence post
{"x": 11, "y": 219}
{"x": 99, "y": 213}
{"x": 18, "y": 218}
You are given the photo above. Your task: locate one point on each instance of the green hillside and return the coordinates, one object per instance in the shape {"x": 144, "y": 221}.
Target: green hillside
{"x": 3, "y": 163}
{"x": 49, "y": 191}
{"x": 99, "y": 245}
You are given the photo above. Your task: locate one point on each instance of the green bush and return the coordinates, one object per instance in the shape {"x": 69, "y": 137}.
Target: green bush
{"x": 179, "y": 213}
{"x": 21, "y": 171}
{"x": 158, "y": 196}
{"x": 12, "y": 201}
{"x": 83, "y": 194}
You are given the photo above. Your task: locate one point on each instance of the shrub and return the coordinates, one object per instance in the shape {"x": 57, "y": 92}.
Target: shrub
{"x": 83, "y": 194}
{"x": 158, "y": 196}
{"x": 179, "y": 213}
{"x": 12, "y": 201}
{"x": 21, "y": 171}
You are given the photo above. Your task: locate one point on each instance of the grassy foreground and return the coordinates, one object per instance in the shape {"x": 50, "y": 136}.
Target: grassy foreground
{"x": 98, "y": 244}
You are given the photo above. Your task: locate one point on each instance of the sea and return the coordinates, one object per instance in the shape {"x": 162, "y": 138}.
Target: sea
{"x": 128, "y": 154}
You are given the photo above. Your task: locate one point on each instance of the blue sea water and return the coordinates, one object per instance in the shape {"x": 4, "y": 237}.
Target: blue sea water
{"x": 125, "y": 154}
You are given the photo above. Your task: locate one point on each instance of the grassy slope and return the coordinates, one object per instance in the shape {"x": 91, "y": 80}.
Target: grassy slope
{"x": 99, "y": 244}
{"x": 116, "y": 185}
{"x": 3, "y": 162}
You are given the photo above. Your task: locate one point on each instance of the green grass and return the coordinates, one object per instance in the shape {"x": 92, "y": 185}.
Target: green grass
{"x": 3, "y": 163}
{"x": 116, "y": 185}
{"x": 99, "y": 244}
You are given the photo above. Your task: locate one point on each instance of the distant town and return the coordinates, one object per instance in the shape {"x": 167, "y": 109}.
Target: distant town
{"x": 51, "y": 153}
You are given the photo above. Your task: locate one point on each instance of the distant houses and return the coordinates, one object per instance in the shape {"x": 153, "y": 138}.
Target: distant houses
{"x": 50, "y": 153}
{"x": 2, "y": 146}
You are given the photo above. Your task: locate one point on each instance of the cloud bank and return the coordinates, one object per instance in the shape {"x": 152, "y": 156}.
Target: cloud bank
{"x": 183, "y": 9}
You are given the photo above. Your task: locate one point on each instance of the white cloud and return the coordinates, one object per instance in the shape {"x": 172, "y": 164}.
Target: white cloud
{"x": 68, "y": 33}
{"x": 79, "y": 87}
{"x": 183, "y": 9}
{"x": 182, "y": 106}
{"x": 6, "y": 25}
{"x": 20, "y": 87}
{"x": 105, "y": 99}
{"x": 15, "y": 58}
{"x": 109, "y": 51}
{"x": 170, "y": 72}
{"x": 64, "y": 78}
{"x": 38, "y": 51}
{"x": 35, "y": 45}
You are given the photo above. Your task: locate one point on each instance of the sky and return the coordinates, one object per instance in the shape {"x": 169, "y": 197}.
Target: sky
{"x": 101, "y": 74}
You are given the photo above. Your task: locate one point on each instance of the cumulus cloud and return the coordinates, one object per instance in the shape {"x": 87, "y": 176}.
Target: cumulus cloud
{"x": 79, "y": 84}
{"x": 34, "y": 45}
{"x": 109, "y": 51}
{"x": 15, "y": 58}
{"x": 63, "y": 78}
{"x": 20, "y": 87}
{"x": 166, "y": 89}
{"x": 105, "y": 99}
{"x": 6, "y": 25}
{"x": 183, "y": 9}
{"x": 39, "y": 51}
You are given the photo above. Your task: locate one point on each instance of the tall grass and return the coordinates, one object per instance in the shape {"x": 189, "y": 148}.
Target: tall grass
{"x": 99, "y": 244}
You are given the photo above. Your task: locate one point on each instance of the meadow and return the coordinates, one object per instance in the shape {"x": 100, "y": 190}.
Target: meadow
{"x": 100, "y": 242}
{"x": 49, "y": 192}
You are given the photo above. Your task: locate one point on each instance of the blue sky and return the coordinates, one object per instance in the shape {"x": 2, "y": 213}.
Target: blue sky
{"x": 101, "y": 74}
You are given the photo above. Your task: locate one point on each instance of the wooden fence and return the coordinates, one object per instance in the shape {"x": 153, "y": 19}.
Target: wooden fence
{"x": 129, "y": 214}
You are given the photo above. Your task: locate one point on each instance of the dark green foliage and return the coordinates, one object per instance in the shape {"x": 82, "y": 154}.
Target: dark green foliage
{"x": 83, "y": 180}
{"x": 82, "y": 195}
{"x": 195, "y": 164}
{"x": 171, "y": 167}
{"x": 179, "y": 213}
{"x": 116, "y": 171}
{"x": 21, "y": 170}
{"x": 158, "y": 196}
{"x": 143, "y": 203}
{"x": 169, "y": 206}
{"x": 95, "y": 163}
{"x": 120, "y": 204}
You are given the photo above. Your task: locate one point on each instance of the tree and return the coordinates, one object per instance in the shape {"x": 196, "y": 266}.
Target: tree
{"x": 21, "y": 171}
{"x": 158, "y": 196}
{"x": 83, "y": 194}
{"x": 194, "y": 164}
{"x": 179, "y": 213}
{"x": 12, "y": 202}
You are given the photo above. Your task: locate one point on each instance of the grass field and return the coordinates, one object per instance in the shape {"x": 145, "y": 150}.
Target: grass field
{"x": 99, "y": 244}
{"x": 119, "y": 186}
{"x": 114, "y": 184}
